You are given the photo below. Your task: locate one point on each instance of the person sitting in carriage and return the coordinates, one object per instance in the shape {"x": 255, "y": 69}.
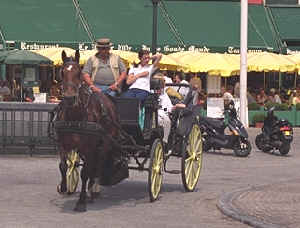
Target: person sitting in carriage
{"x": 165, "y": 108}
{"x": 195, "y": 97}
{"x": 139, "y": 76}
{"x": 104, "y": 71}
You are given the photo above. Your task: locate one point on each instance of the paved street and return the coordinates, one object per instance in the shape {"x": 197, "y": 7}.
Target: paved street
{"x": 263, "y": 188}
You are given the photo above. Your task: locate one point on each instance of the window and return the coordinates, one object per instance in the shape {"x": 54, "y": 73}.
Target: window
{"x": 29, "y": 74}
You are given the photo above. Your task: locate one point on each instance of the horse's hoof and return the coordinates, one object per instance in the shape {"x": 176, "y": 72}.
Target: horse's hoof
{"x": 80, "y": 208}
{"x": 60, "y": 189}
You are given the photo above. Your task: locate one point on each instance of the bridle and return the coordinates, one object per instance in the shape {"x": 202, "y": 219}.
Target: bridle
{"x": 68, "y": 66}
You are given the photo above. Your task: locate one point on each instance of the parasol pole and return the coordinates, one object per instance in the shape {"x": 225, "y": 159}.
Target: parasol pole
{"x": 243, "y": 63}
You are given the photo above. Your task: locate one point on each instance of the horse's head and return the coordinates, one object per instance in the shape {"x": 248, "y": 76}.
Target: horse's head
{"x": 71, "y": 75}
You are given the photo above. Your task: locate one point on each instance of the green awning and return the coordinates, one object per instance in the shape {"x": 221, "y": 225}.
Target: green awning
{"x": 35, "y": 20}
{"x": 287, "y": 24}
{"x": 22, "y": 57}
{"x": 207, "y": 25}
{"x": 214, "y": 26}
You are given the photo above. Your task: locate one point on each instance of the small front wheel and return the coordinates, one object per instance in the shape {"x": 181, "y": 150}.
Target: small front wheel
{"x": 155, "y": 170}
{"x": 191, "y": 161}
{"x": 242, "y": 147}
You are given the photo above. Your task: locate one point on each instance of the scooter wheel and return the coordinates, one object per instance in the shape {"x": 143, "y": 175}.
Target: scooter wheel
{"x": 243, "y": 148}
{"x": 284, "y": 149}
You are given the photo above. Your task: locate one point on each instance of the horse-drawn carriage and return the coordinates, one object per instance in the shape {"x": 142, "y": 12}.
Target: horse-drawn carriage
{"x": 139, "y": 141}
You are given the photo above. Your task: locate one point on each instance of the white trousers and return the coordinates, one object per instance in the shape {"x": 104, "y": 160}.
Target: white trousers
{"x": 165, "y": 122}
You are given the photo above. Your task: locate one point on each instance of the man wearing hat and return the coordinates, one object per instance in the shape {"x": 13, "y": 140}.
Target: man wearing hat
{"x": 104, "y": 71}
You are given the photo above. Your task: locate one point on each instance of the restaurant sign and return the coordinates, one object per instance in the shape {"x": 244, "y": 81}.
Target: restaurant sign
{"x": 36, "y": 45}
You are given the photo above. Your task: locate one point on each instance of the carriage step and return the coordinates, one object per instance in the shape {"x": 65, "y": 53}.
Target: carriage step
{"x": 173, "y": 171}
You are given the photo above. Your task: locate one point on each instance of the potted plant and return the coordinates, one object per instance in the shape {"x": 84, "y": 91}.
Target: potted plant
{"x": 253, "y": 107}
{"x": 258, "y": 120}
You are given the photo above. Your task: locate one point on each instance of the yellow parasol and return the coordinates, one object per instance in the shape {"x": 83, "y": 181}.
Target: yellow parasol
{"x": 295, "y": 58}
{"x": 55, "y": 53}
{"x": 212, "y": 63}
{"x": 267, "y": 61}
{"x": 170, "y": 63}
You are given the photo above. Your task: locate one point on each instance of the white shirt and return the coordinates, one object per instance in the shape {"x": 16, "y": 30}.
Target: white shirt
{"x": 167, "y": 81}
{"x": 142, "y": 83}
{"x": 165, "y": 102}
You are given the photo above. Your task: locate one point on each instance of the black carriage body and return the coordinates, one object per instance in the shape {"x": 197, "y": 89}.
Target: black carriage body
{"x": 129, "y": 110}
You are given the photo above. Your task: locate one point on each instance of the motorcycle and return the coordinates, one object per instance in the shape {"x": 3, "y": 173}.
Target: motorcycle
{"x": 214, "y": 137}
{"x": 277, "y": 134}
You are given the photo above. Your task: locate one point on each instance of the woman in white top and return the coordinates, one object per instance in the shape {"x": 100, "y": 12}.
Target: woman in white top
{"x": 139, "y": 76}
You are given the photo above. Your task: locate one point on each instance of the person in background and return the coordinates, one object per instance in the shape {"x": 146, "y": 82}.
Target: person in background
{"x": 4, "y": 90}
{"x": 178, "y": 79}
{"x": 236, "y": 90}
{"x": 274, "y": 96}
{"x": 250, "y": 98}
{"x": 195, "y": 97}
{"x": 104, "y": 71}
{"x": 261, "y": 98}
{"x": 139, "y": 76}
{"x": 294, "y": 98}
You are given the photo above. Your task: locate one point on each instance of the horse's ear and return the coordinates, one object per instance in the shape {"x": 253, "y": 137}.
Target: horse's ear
{"x": 63, "y": 56}
{"x": 77, "y": 56}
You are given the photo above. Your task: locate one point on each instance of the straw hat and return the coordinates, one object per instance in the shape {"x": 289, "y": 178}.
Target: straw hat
{"x": 103, "y": 43}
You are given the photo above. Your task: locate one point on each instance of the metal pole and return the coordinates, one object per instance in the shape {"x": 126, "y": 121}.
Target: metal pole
{"x": 243, "y": 64}
{"x": 154, "y": 26}
{"x": 3, "y": 66}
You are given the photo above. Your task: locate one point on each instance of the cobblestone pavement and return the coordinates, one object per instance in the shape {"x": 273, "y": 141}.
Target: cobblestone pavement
{"x": 275, "y": 205}
{"x": 262, "y": 187}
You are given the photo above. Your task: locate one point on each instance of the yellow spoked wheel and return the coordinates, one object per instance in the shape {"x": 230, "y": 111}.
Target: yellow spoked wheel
{"x": 155, "y": 170}
{"x": 191, "y": 162}
{"x": 72, "y": 172}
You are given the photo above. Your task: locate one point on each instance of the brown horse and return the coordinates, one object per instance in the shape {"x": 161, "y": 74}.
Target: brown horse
{"x": 85, "y": 122}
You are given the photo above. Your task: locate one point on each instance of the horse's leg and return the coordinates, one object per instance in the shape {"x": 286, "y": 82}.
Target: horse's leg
{"x": 81, "y": 203}
{"x": 95, "y": 183}
{"x": 63, "y": 167}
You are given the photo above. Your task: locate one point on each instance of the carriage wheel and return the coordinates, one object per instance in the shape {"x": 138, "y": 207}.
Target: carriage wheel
{"x": 155, "y": 170}
{"x": 191, "y": 161}
{"x": 72, "y": 172}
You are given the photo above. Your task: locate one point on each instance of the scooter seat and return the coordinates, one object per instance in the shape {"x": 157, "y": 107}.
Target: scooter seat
{"x": 217, "y": 123}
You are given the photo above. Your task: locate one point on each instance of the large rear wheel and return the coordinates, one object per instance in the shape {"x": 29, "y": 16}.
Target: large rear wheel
{"x": 72, "y": 172}
{"x": 191, "y": 161}
{"x": 155, "y": 170}
{"x": 259, "y": 141}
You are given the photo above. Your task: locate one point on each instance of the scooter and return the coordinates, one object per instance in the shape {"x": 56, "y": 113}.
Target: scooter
{"x": 277, "y": 134}
{"x": 214, "y": 137}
